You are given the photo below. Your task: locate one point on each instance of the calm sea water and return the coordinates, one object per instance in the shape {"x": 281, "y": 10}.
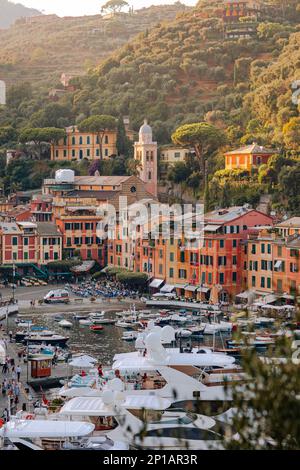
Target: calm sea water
{"x": 102, "y": 346}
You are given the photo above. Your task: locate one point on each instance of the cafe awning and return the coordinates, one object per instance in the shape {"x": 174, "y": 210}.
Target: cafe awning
{"x": 180, "y": 286}
{"x": 167, "y": 289}
{"x": 204, "y": 290}
{"x": 156, "y": 283}
{"x": 212, "y": 228}
{"x": 245, "y": 294}
{"x": 287, "y": 297}
{"x": 190, "y": 288}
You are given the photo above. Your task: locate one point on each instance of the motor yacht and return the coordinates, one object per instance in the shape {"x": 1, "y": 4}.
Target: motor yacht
{"x": 145, "y": 422}
{"x": 166, "y": 372}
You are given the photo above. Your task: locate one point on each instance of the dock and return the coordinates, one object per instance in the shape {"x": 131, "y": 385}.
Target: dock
{"x": 30, "y": 389}
{"x": 26, "y": 395}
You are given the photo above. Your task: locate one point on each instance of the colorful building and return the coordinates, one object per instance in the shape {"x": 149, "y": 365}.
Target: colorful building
{"x": 76, "y": 205}
{"x": 28, "y": 243}
{"x": 41, "y": 208}
{"x": 85, "y": 145}
{"x": 145, "y": 153}
{"x": 212, "y": 271}
{"x": 272, "y": 262}
{"x": 170, "y": 155}
{"x": 233, "y": 10}
{"x": 247, "y": 158}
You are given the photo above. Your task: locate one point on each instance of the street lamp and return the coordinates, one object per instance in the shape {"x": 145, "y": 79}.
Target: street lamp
{"x": 13, "y": 286}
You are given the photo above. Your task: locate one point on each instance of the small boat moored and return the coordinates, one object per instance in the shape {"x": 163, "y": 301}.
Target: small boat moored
{"x": 96, "y": 328}
{"x": 65, "y": 324}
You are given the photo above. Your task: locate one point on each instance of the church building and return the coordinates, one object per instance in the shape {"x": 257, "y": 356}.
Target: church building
{"x": 145, "y": 153}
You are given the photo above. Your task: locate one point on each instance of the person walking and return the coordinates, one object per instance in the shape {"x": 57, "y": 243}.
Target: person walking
{"x": 5, "y": 415}
{"x": 5, "y": 367}
{"x": 18, "y": 370}
{"x": 10, "y": 334}
{"x": 13, "y": 374}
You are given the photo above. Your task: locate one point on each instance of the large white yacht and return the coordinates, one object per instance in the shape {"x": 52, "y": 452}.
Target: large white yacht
{"x": 179, "y": 375}
{"x": 144, "y": 422}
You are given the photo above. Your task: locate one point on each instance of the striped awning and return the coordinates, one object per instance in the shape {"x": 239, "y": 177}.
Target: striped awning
{"x": 191, "y": 288}
{"x": 180, "y": 286}
{"x": 167, "y": 289}
{"x": 156, "y": 283}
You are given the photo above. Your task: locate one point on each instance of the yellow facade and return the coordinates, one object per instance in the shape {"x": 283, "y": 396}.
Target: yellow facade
{"x": 85, "y": 145}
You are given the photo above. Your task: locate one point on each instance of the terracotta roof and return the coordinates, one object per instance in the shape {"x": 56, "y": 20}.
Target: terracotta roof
{"x": 294, "y": 222}
{"x": 253, "y": 150}
{"x": 100, "y": 195}
{"x": 47, "y": 228}
{"x": 226, "y": 215}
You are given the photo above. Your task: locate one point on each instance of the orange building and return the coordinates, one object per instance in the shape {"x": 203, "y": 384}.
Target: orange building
{"x": 233, "y": 10}
{"x": 273, "y": 259}
{"x": 76, "y": 204}
{"x": 212, "y": 271}
{"x": 246, "y": 158}
{"x": 85, "y": 145}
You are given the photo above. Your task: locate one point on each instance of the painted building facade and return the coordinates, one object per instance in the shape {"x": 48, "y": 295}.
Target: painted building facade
{"x": 85, "y": 145}
{"x": 247, "y": 158}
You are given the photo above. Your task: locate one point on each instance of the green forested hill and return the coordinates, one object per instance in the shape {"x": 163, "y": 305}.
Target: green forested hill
{"x": 10, "y": 12}
{"x": 186, "y": 71}
{"x": 46, "y": 46}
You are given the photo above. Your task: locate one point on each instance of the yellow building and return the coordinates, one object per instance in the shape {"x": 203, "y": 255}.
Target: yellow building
{"x": 170, "y": 155}
{"x": 85, "y": 145}
{"x": 246, "y": 158}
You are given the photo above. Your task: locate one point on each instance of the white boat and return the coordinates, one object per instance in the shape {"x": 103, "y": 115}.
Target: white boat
{"x": 181, "y": 333}
{"x": 86, "y": 322}
{"x": 164, "y": 429}
{"x": 216, "y": 328}
{"x": 30, "y": 433}
{"x": 24, "y": 324}
{"x": 80, "y": 316}
{"x": 65, "y": 324}
{"x": 264, "y": 321}
{"x": 130, "y": 335}
{"x": 127, "y": 323}
{"x": 165, "y": 372}
{"x": 95, "y": 317}
{"x": 52, "y": 339}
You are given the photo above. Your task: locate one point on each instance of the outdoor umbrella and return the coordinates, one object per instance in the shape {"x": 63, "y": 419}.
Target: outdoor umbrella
{"x": 83, "y": 362}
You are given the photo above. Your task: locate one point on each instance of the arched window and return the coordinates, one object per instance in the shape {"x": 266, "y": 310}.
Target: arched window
{"x": 80, "y": 140}
{"x": 73, "y": 140}
{"x": 149, "y": 175}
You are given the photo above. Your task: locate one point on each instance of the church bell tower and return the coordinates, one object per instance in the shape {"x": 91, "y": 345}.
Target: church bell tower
{"x": 145, "y": 153}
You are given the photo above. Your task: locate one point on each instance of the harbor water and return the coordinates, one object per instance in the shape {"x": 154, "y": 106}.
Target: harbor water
{"x": 103, "y": 346}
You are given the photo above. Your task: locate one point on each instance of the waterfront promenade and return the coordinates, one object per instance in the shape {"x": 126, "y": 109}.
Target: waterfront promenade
{"x": 25, "y": 397}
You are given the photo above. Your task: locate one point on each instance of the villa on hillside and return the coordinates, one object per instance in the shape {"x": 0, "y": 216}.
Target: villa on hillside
{"x": 233, "y": 10}
{"x": 79, "y": 145}
{"x": 247, "y": 158}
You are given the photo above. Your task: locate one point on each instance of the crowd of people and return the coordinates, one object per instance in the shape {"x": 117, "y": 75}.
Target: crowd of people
{"x": 10, "y": 385}
{"x": 104, "y": 288}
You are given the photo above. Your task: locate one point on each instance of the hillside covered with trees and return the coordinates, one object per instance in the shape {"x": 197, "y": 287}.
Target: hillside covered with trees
{"x": 41, "y": 49}
{"x": 195, "y": 69}
{"x": 10, "y": 12}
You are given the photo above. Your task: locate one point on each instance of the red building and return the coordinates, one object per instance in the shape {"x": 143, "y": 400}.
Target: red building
{"x": 41, "y": 208}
